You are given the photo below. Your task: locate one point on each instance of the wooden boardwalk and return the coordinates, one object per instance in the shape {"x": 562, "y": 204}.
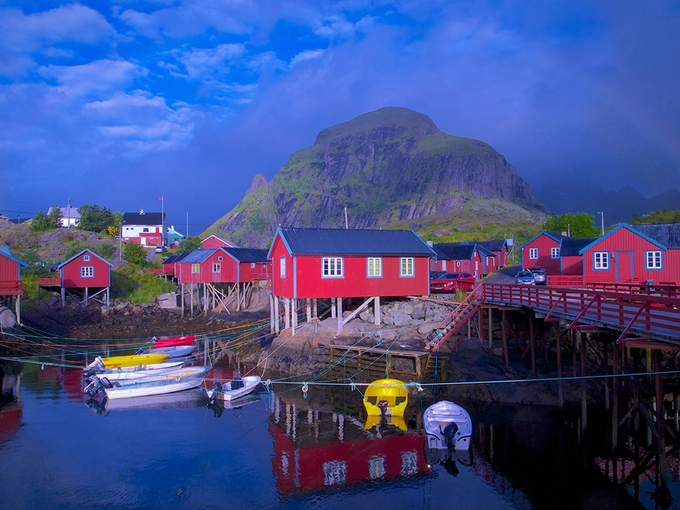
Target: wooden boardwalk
{"x": 400, "y": 362}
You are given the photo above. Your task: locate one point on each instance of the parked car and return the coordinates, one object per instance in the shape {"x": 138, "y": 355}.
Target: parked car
{"x": 525, "y": 277}
{"x": 436, "y": 274}
{"x": 453, "y": 282}
{"x": 161, "y": 249}
{"x": 540, "y": 276}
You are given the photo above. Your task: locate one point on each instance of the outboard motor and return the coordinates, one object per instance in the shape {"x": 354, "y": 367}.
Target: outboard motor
{"x": 449, "y": 435}
{"x": 237, "y": 382}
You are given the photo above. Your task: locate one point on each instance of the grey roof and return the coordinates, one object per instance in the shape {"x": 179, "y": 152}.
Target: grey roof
{"x": 175, "y": 258}
{"x": 495, "y": 245}
{"x": 197, "y": 256}
{"x": 320, "y": 241}
{"x": 150, "y": 218}
{"x": 667, "y": 234}
{"x": 571, "y": 246}
{"x": 456, "y": 251}
{"x": 247, "y": 254}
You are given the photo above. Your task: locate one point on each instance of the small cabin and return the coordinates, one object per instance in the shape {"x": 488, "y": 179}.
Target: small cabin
{"x": 11, "y": 289}
{"x": 315, "y": 264}
{"x": 83, "y": 277}
{"x": 543, "y": 250}
{"x": 214, "y": 241}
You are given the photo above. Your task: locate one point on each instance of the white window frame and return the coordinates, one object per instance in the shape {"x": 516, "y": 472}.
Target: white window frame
{"x": 653, "y": 259}
{"x": 555, "y": 252}
{"x": 87, "y": 271}
{"x": 601, "y": 260}
{"x": 252, "y": 265}
{"x": 195, "y": 268}
{"x": 332, "y": 267}
{"x": 407, "y": 267}
{"x": 216, "y": 267}
{"x": 282, "y": 267}
{"x": 86, "y": 258}
{"x": 220, "y": 258}
{"x": 533, "y": 253}
{"x": 374, "y": 267}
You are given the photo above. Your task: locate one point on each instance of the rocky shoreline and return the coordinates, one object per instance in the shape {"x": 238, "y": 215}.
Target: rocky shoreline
{"x": 405, "y": 326}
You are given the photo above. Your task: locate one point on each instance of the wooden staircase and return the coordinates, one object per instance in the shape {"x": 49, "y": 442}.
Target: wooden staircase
{"x": 456, "y": 319}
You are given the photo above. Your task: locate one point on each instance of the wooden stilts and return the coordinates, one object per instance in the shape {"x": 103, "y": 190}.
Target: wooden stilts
{"x": 615, "y": 395}
{"x": 584, "y": 402}
{"x": 504, "y": 339}
{"x": 558, "y": 348}
{"x": 532, "y": 345}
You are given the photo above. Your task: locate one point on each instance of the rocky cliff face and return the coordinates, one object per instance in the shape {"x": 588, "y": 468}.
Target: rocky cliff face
{"x": 388, "y": 168}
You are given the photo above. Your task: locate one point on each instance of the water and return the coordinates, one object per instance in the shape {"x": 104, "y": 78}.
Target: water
{"x": 281, "y": 450}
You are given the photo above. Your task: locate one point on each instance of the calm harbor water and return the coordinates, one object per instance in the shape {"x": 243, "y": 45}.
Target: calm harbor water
{"x": 279, "y": 450}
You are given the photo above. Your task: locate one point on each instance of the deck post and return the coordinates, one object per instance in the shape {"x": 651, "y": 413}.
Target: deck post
{"x": 339, "y": 301}
{"x": 615, "y": 395}
{"x": 376, "y": 311}
{"x": 504, "y": 339}
{"x": 308, "y": 309}
{"x": 532, "y": 345}
{"x": 584, "y": 407}
{"x": 660, "y": 421}
{"x": 558, "y": 347}
{"x": 491, "y": 332}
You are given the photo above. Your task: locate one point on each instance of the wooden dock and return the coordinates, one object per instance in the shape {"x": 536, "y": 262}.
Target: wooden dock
{"x": 418, "y": 364}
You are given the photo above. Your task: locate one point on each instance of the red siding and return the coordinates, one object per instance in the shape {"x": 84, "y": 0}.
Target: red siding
{"x": 304, "y": 273}
{"x": 9, "y": 277}
{"x": 627, "y": 260}
{"x": 572, "y": 265}
{"x": 544, "y": 243}
{"x": 71, "y": 272}
{"x": 212, "y": 242}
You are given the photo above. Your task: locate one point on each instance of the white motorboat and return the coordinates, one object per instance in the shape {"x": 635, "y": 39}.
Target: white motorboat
{"x": 237, "y": 387}
{"x": 174, "y": 351}
{"x": 131, "y": 372}
{"x": 448, "y": 426}
{"x": 178, "y": 379}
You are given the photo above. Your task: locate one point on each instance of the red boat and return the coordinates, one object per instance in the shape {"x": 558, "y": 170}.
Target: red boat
{"x": 174, "y": 341}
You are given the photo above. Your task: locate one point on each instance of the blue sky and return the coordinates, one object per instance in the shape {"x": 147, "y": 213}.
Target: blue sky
{"x": 119, "y": 103}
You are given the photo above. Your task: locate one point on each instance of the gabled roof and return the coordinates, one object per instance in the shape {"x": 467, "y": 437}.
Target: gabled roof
{"x": 221, "y": 241}
{"x": 7, "y": 252}
{"x": 555, "y": 237}
{"x": 456, "y": 251}
{"x": 247, "y": 254}
{"x": 667, "y": 234}
{"x": 86, "y": 250}
{"x": 361, "y": 242}
{"x": 175, "y": 258}
{"x": 619, "y": 227}
{"x": 150, "y": 218}
{"x": 197, "y": 256}
{"x": 495, "y": 245}
{"x": 66, "y": 212}
{"x": 571, "y": 246}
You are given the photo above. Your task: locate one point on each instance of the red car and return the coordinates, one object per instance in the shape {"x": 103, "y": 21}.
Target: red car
{"x": 453, "y": 282}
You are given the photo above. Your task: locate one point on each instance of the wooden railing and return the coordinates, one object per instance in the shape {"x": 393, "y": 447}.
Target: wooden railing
{"x": 10, "y": 288}
{"x": 646, "y": 315}
{"x": 563, "y": 280}
{"x": 49, "y": 282}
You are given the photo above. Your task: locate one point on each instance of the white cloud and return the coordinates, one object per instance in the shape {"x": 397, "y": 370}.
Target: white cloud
{"x": 306, "y": 55}
{"x": 101, "y": 76}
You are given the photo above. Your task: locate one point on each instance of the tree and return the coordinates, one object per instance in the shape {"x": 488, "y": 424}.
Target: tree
{"x": 135, "y": 254}
{"x": 95, "y": 219}
{"x": 41, "y": 222}
{"x": 188, "y": 244}
{"x": 55, "y": 216}
{"x": 579, "y": 224}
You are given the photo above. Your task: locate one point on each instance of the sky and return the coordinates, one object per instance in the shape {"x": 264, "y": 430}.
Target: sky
{"x": 120, "y": 103}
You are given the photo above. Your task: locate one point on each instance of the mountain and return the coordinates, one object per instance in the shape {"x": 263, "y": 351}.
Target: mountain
{"x": 391, "y": 168}
{"x": 618, "y": 206}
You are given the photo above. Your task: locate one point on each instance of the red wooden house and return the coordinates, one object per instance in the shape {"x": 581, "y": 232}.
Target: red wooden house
{"x": 334, "y": 264}
{"x": 571, "y": 260}
{"x": 543, "y": 250}
{"x": 215, "y": 242}
{"x": 83, "y": 277}
{"x": 246, "y": 265}
{"x": 644, "y": 253}
{"x": 10, "y": 280}
{"x": 465, "y": 258}
{"x": 500, "y": 249}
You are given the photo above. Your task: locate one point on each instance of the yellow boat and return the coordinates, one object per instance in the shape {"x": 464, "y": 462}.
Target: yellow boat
{"x": 386, "y": 396}
{"x": 133, "y": 360}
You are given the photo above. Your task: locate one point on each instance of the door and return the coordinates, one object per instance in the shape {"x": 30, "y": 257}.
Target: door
{"x": 623, "y": 263}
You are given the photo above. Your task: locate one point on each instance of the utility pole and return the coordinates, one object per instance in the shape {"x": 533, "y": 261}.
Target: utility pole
{"x": 68, "y": 212}
{"x": 601, "y": 213}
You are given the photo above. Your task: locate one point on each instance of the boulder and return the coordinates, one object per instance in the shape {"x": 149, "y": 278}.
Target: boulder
{"x": 7, "y": 318}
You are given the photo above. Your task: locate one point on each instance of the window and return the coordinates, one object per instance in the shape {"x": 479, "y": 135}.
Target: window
{"x": 601, "y": 260}
{"x": 653, "y": 259}
{"x": 145, "y": 229}
{"x": 533, "y": 253}
{"x": 220, "y": 258}
{"x": 195, "y": 268}
{"x": 252, "y": 265}
{"x": 217, "y": 267}
{"x": 555, "y": 253}
{"x": 374, "y": 267}
{"x": 331, "y": 267}
{"x": 86, "y": 258}
{"x": 87, "y": 272}
{"x": 282, "y": 267}
{"x": 407, "y": 266}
